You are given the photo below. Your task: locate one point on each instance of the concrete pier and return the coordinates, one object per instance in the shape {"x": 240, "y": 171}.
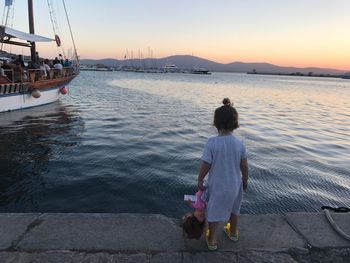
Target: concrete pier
{"x": 292, "y": 237}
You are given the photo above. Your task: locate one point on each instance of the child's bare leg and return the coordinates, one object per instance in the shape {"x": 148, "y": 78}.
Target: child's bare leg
{"x": 212, "y": 232}
{"x": 233, "y": 223}
{"x": 206, "y": 226}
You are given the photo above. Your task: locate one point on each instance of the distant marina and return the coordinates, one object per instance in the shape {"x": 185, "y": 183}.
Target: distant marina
{"x": 195, "y": 65}
{"x": 166, "y": 69}
{"x": 172, "y": 68}
{"x": 95, "y": 68}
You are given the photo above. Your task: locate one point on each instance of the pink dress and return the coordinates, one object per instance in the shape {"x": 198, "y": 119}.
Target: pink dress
{"x": 199, "y": 204}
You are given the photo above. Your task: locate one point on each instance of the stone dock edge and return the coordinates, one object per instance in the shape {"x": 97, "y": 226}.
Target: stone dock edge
{"x": 74, "y": 237}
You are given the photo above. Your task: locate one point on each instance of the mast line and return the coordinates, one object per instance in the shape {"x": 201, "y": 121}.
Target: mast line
{"x": 31, "y": 30}
{"x": 71, "y": 34}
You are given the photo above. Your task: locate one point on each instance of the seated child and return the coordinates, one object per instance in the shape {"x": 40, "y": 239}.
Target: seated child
{"x": 194, "y": 223}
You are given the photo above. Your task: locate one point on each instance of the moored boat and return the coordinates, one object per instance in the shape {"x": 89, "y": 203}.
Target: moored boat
{"x": 346, "y": 75}
{"x": 170, "y": 68}
{"x": 94, "y": 68}
{"x": 24, "y": 86}
{"x": 200, "y": 71}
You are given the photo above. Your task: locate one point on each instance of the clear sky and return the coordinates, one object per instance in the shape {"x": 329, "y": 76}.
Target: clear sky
{"x": 282, "y": 32}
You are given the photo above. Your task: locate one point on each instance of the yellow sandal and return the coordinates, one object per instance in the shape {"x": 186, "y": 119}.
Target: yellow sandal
{"x": 234, "y": 237}
{"x": 210, "y": 247}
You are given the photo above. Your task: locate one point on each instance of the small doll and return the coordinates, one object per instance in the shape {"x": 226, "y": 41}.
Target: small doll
{"x": 194, "y": 223}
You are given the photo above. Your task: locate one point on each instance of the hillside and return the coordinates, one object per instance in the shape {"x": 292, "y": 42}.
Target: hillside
{"x": 189, "y": 62}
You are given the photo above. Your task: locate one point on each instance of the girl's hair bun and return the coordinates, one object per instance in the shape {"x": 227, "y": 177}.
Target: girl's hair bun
{"x": 226, "y": 102}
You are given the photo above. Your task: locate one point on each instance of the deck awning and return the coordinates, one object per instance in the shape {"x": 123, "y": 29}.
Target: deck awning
{"x": 10, "y": 32}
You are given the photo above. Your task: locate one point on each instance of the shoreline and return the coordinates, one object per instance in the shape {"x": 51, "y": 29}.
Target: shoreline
{"x": 299, "y": 74}
{"x": 72, "y": 237}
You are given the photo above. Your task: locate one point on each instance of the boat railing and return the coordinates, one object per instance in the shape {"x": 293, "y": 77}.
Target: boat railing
{"x": 39, "y": 75}
{"x": 8, "y": 74}
{"x": 20, "y": 75}
{"x": 16, "y": 74}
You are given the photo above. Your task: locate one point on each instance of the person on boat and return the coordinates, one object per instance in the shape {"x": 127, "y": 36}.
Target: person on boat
{"x": 60, "y": 57}
{"x": 2, "y": 71}
{"x": 33, "y": 65}
{"x": 67, "y": 63}
{"x": 55, "y": 61}
{"x": 18, "y": 72}
{"x": 225, "y": 159}
{"x": 47, "y": 65}
{"x": 20, "y": 60}
{"x": 37, "y": 58}
{"x": 33, "y": 70}
{"x": 43, "y": 70}
{"x": 58, "y": 68}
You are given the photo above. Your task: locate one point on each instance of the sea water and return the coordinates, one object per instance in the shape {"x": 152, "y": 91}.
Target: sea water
{"x": 132, "y": 142}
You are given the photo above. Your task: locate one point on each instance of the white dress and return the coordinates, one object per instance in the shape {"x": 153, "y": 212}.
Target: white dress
{"x": 224, "y": 189}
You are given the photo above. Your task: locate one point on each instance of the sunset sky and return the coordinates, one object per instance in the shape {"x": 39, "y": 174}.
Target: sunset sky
{"x": 283, "y": 32}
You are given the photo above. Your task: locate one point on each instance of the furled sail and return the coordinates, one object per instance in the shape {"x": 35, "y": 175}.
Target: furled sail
{"x": 10, "y": 32}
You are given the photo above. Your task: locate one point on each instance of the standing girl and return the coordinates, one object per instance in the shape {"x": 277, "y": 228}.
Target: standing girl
{"x": 225, "y": 159}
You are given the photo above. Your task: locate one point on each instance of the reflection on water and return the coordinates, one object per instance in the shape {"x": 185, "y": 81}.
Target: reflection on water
{"x": 128, "y": 142}
{"x": 29, "y": 140}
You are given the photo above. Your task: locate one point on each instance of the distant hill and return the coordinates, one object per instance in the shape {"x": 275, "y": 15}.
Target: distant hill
{"x": 189, "y": 62}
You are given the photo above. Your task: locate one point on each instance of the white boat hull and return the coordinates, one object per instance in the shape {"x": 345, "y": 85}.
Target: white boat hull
{"x": 16, "y": 101}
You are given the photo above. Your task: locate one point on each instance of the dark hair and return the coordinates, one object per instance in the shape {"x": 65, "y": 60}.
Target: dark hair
{"x": 226, "y": 116}
{"x": 192, "y": 227}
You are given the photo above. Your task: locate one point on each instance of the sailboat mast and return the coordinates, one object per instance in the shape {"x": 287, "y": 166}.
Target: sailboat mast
{"x": 31, "y": 30}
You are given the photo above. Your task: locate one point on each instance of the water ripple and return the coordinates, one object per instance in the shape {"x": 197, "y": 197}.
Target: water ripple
{"x": 126, "y": 142}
